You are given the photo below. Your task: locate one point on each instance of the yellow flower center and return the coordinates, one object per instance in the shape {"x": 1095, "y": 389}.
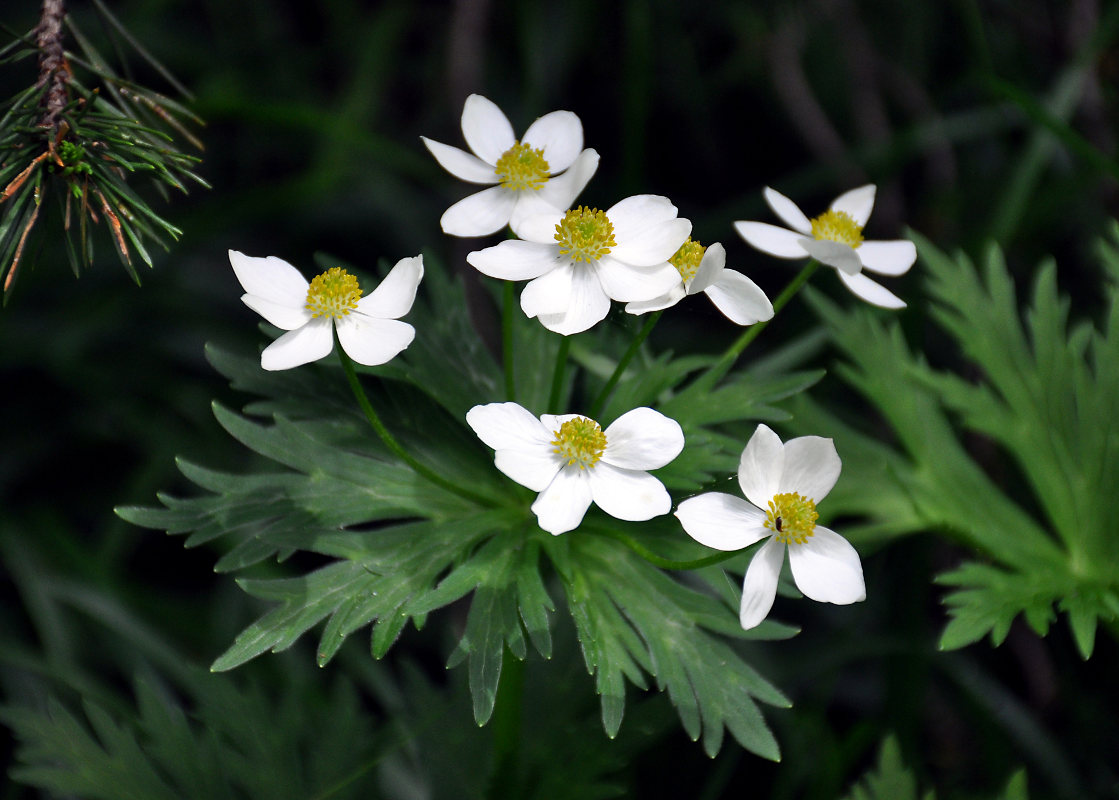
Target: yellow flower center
{"x": 792, "y": 518}
{"x": 522, "y": 167}
{"x": 837, "y": 226}
{"x": 579, "y": 441}
{"x": 334, "y": 293}
{"x": 585, "y": 234}
{"x": 687, "y": 259}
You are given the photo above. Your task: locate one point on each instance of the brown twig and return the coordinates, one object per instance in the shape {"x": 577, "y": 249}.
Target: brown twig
{"x": 54, "y": 70}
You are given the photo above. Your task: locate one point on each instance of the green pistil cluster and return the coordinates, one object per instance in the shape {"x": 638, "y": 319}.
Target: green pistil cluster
{"x": 522, "y": 167}
{"x": 585, "y": 234}
{"x": 792, "y": 517}
{"x": 334, "y": 293}
{"x": 580, "y": 441}
{"x": 837, "y": 226}
{"x": 687, "y": 259}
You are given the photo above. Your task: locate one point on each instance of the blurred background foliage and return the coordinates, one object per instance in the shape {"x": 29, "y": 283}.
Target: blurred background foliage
{"x": 979, "y": 119}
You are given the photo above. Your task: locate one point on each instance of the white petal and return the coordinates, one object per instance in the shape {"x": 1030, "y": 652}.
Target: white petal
{"x": 551, "y": 292}
{"x": 628, "y": 494}
{"x": 721, "y": 521}
{"x": 779, "y": 242}
{"x": 666, "y": 300}
{"x": 560, "y": 192}
{"x": 874, "y": 293}
{"x": 540, "y": 225}
{"x": 560, "y": 133}
{"x": 888, "y": 258}
{"x": 553, "y": 422}
{"x": 760, "y": 466}
{"x": 811, "y": 467}
{"x": 642, "y": 439}
{"x": 514, "y": 260}
{"x": 486, "y": 129}
{"x": 827, "y": 569}
{"x": 587, "y": 305}
{"x": 394, "y": 296}
{"x": 283, "y": 316}
{"x": 505, "y": 426}
{"x": 534, "y": 468}
{"x": 835, "y": 254}
{"x": 300, "y": 346}
{"x": 464, "y": 166}
{"x": 270, "y": 278}
{"x": 654, "y": 245}
{"x": 634, "y": 216}
{"x": 560, "y": 507}
{"x": 739, "y": 298}
{"x": 480, "y": 214}
{"x": 759, "y": 587}
{"x": 857, "y": 203}
{"x": 372, "y": 341}
{"x": 624, "y": 282}
{"x": 711, "y": 266}
{"x": 787, "y": 210}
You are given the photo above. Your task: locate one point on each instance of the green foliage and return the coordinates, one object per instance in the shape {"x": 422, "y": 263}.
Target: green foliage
{"x": 81, "y": 143}
{"x": 890, "y": 780}
{"x": 1045, "y": 395}
{"x": 400, "y": 548}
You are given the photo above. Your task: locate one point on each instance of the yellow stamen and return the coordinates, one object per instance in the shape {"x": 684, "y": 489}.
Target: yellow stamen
{"x": 580, "y": 441}
{"x": 334, "y": 293}
{"x": 837, "y": 226}
{"x": 522, "y": 167}
{"x": 585, "y": 234}
{"x": 687, "y": 259}
{"x": 792, "y": 518}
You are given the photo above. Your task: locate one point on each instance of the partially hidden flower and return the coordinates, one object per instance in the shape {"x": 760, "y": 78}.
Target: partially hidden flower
{"x": 703, "y": 269}
{"x": 577, "y": 262}
{"x": 571, "y": 461}
{"x": 783, "y": 483}
{"x": 527, "y": 172}
{"x": 835, "y": 238}
{"x": 368, "y": 327}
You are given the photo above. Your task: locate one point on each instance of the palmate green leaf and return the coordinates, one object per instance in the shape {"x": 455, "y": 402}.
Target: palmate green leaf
{"x": 632, "y": 619}
{"x": 889, "y": 779}
{"x": 1048, "y": 397}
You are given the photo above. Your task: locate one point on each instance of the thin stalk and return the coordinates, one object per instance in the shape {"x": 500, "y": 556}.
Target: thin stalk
{"x": 604, "y": 395}
{"x": 392, "y": 444}
{"x": 664, "y": 563}
{"x": 726, "y": 361}
{"x": 507, "y": 713}
{"x": 508, "y": 302}
{"x": 558, "y": 374}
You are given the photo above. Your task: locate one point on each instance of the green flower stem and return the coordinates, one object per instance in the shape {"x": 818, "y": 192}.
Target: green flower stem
{"x": 726, "y": 361}
{"x": 507, "y": 305}
{"x": 557, "y": 375}
{"x": 507, "y": 712}
{"x": 604, "y": 395}
{"x": 665, "y": 563}
{"x": 392, "y": 444}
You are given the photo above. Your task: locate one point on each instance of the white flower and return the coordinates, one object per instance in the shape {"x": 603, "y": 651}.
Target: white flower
{"x": 789, "y": 480}
{"x": 835, "y": 238}
{"x": 703, "y": 269}
{"x": 523, "y": 170}
{"x": 368, "y": 327}
{"x": 571, "y": 461}
{"x": 577, "y": 262}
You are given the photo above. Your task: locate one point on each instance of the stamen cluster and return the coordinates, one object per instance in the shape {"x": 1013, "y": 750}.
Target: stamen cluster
{"x": 792, "y": 517}
{"x": 585, "y": 234}
{"x": 333, "y": 293}
{"x": 837, "y": 226}
{"x": 522, "y": 167}
{"x": 687, "y": 259}
{"x": 580, "y": 441}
